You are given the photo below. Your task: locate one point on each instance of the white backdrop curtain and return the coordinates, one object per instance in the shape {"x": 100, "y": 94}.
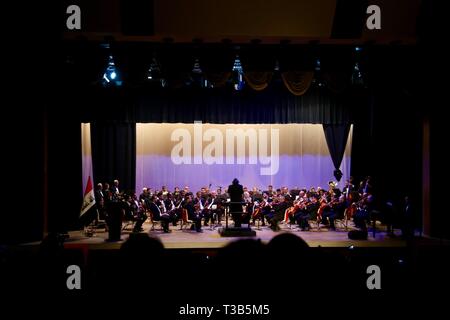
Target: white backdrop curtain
{"x": 304, "y": 158}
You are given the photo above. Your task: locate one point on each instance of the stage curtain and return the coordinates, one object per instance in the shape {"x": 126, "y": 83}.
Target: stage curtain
{"x": 218, "y": 79}
{"x": 297, "y": 82}
{"x": 179, "y": 80}
{"x": 114, "y": 153}
{"x": 258, "y": 80}
{"x": 336, "y": 82}
{"x": 301, "y": 157}
{"x": 219, "y": 105}
{"x": 336, "y": 137}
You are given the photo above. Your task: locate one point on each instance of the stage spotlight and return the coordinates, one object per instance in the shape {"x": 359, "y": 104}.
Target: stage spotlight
{"x": 196, "y": 69}
{"x": 197, "y": 75}
{"x": 317, "y": 81}
{"x": 154, "y": 73}
{"x": 111, "y": 76}
{"x": 357, "y": 76}
{"x": 351, "y": 247}
{"x": 154, "y": 70}
{"x": 277, "y": 66}
{"x": 317, "y": 67}
{"x": 238, "y": 74}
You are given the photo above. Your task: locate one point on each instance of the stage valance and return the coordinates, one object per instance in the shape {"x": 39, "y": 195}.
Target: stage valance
{"x": 275, "y": 104}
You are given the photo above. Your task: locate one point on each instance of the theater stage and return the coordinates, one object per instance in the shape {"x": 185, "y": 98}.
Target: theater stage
{"x": 210, "y": 238}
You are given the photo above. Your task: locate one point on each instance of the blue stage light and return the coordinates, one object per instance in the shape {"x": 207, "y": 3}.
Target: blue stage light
{"x": 238, "y": 74}
{"x": 111, "y": 75}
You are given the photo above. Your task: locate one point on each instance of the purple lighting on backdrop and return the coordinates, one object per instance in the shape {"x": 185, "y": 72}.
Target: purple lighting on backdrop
{"x": 304, "y": 161}
{"x": 294, "y": 171}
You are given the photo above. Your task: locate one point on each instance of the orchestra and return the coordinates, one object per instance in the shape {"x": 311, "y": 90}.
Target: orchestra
{"x": 270, "y": 207}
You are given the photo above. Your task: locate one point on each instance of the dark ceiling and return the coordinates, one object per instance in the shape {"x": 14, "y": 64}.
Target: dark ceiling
{"x": 266, "y": 22}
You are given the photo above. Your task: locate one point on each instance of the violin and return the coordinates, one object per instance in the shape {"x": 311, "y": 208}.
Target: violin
{"x": 258, "y": 208}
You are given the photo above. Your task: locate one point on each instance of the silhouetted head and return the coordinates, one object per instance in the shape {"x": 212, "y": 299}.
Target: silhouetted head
{"x": 235, "y": 181}
{"x": 287, "y": 241}
{"x": 245, "y": 252}
{"x": 140, "y": 247}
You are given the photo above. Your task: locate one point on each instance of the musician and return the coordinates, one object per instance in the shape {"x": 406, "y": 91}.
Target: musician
{"x": 115, "y": 188}
{"x": 217, "y": 207}
{"x": 276, "y": 215}
{"x": 138, "y": 213}
{"x": 333, "y": 209}
{"x": 362, "y": 215}
{"x": 144, "y": 195}
{"x": 270, "y": 190}
{"x": 213, "y": 208}
{"x": 98, "y": 192}
{"x": 127, "y": 205}
{"x": 366, "y": 185}
{"x": 187, "y": 191}
{"x": 206, "y": 212}
{"x": 255, "y": 193}
{"x": 236, "y": 192}
{"x": 176, "y": 192}
{"x": 155, "y": 207}
{"x": 221, "y": 200}
{"x": 100, "y": 201}
{"x": 247, "y": 207}
{"x": 193, "y": 214}
{"x": 297, "y": 205}
{"x": 308, "y": 212}
{"x": 169, "y": 206}
{"x": 200, "y": 203}
{"x": 261, "y": 208}
{"x": 107, "y": 194}
{"x": 349, "y": 187}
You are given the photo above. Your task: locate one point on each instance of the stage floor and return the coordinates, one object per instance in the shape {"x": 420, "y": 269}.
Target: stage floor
{"x": 210, "y": 238}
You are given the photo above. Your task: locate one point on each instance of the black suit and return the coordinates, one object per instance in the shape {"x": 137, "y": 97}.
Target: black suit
{"x": 159, "y": 216}
{"x": 100, "y": 203}
{"x": 236, "y": 191}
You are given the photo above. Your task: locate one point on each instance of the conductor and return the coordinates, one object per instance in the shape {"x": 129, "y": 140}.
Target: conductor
{"x": 236, "y": 191}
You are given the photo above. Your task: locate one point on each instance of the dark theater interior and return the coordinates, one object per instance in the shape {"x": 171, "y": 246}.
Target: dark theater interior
{"x": 194, "y": 159}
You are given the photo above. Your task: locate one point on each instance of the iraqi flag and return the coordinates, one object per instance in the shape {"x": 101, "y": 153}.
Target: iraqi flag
{"x": 89, "y": 198}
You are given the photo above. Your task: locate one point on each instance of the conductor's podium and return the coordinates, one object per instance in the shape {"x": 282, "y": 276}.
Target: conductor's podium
{"x": 235, "y": 231}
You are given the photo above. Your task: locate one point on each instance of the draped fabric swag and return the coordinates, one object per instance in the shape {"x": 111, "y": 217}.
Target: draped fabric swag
{"x": 258, "y": 80}
{"x": 297, "y": 82}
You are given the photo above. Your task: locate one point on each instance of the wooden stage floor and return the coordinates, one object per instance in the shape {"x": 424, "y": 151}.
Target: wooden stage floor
{"x": 210, "y": 238}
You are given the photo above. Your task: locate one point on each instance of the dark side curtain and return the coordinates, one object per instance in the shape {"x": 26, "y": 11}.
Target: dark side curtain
{"x": 336, "y": 136}
{"x": 114, "y": 153}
